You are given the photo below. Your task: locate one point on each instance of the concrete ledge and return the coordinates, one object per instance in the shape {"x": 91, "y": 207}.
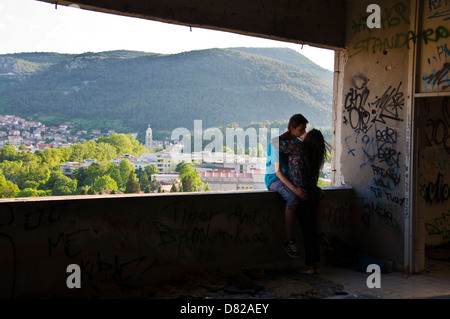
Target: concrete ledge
{"x": 141, "y": 240}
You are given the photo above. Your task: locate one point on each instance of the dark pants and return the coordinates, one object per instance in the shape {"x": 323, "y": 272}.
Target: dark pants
{"x": 307, "y": 217}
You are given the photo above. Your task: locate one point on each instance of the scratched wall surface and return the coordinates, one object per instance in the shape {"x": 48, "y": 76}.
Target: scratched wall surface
{"x": 142, "y": 240}
{"x": 434, "y": 170}
{"x": 372, "y": 116}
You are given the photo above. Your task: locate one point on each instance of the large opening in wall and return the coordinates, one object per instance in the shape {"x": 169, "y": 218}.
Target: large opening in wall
{"x": 97, "y": 103}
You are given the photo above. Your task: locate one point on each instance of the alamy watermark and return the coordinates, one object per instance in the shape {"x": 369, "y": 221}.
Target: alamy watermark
{"x": 374, "y": 280}
{"x": 235, "y": 140}
{"x": 74, "y": 279}
{"x": 374, "y": 19}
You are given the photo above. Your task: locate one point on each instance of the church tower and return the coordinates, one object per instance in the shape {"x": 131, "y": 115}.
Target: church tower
{"x": 148, "y": 138}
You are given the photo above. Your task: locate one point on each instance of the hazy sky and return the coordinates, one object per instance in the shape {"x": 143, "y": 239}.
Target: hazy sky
{"x": 34, "y": 26}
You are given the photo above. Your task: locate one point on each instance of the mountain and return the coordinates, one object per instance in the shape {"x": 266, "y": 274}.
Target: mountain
{"x": 127, "y": 90}
{"x": 290, "y": 56}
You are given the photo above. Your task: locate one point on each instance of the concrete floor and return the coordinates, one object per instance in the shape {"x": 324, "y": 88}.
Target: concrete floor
{"x": 432, "y": 283}
{"x": 331, "y": 283}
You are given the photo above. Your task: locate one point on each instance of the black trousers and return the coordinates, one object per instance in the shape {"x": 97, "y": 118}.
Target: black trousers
{"x": 307, "y": 217}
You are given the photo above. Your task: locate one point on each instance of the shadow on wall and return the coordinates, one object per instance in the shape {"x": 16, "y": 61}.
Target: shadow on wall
{"x": 134, "y": 241}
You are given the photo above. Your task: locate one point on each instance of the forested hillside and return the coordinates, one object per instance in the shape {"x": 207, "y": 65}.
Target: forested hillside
{"x": 127, "y": 90}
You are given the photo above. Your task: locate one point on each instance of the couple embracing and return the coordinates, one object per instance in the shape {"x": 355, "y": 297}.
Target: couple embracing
{"x": 294, "y": 161}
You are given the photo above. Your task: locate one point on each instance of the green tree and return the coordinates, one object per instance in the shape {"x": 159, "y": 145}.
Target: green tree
{"x": 94, "y": 171}
{"x": 207, "y": 188}
{"x": 124, "y": 144}
{"x": 83, "y": 190}
{"x": 132, "y": 185}
{"x": 125, "y": 169}
{"x": 55, "y": 156}
{"x": 60, "y": 185}
{"x": 194, "y": 183}
{"x": 151, "y": 170}
{"x": 31, "y": 192}
{"x": 143, "y": 180}
{"x": 105, "y": 182}
{"x": 33, "y": 174}
{"x": 186, "y": 182}
{"x": 11, "y": 170}
{"x": 80, "y": 174}
{"x": 8, "y": 153}
{"x": 7, "y": 188}
{"x": 152, "y": 185}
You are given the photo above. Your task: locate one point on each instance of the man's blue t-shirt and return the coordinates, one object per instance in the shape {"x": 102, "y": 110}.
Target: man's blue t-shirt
{"x": 274, "y": 156}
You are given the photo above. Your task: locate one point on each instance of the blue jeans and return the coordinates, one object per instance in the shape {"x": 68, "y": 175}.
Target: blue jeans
{"x": 289, "y": 197}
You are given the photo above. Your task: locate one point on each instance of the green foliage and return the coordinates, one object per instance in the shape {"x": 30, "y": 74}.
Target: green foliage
{"x": 60, "y": 185}
{"x": 322, "y": 183}
{"x": 132, "y": 185}
{"x": 31, "y": 192}
{"x": 190, "y": 178}
{"x": 150, "y": 170}
{"x": 126, "y": 169}
{"x": 105, "y": 182}
{"x": 126, "y": 92}
{"x": 7, "y": 188}
{"x": 124, "y": 144}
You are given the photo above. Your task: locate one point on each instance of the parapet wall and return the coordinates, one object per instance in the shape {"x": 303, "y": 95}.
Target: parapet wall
{"x": 141, "y": 240}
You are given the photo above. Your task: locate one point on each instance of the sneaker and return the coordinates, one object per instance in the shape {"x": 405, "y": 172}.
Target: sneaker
{"x": 291, "y": 249}
{"x": 323, "y": 241}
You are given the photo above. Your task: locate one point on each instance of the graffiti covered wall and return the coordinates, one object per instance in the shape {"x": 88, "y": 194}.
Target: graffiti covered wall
{"x": 382, "y": 68}
{"x": 433, "y": 198}
{"x": 373, "y": 121}
{"x": 434, "y": 47}
{"x": 123, "y": 244}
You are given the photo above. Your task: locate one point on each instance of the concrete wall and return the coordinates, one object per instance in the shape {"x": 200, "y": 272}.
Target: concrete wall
{"x": 392, "y": 124}
{"x": 433, "y": 125}
{"x": 130, "y": 242}
{"x": 433, "y": 193}
{"x": 371, "y": 118}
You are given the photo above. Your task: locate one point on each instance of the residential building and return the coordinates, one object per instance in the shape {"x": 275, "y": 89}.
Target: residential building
{"x": 166, "y": 162}
{"x": 96, "y": 132}
{"x": 15, "y": 139}
{"x": 227, "y": 181}
{"x": 68, "y": 167}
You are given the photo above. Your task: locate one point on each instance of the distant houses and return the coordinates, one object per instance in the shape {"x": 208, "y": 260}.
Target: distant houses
{"x": 36, "y": 136}
{"x": 220, "y": 170}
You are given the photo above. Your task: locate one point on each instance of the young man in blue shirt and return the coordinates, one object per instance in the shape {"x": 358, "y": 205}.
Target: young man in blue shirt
{"x": 276, "y": 179}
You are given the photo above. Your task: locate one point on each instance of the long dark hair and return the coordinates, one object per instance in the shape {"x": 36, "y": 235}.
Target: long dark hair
{"x": 317, "y": 150}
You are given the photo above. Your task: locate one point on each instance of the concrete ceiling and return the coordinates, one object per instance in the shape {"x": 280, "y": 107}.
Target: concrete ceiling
{"x": 318, "y": 23}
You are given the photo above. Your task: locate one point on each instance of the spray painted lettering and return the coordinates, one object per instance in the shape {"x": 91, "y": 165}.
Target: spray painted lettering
{"x": 438, "y": 78}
